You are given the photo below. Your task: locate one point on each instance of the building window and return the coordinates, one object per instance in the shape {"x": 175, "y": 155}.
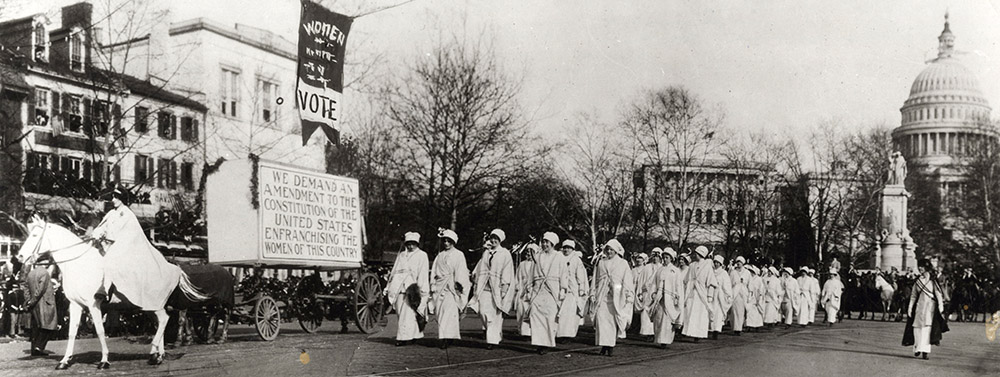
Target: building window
{"x": 42, "y": 107}
{"x": 229, "y": 92}
{"x": 143, "y": 166}
{"x": 100, "y": 117}
{"x": 74, "y": 113}
{"x": 40, "y": 43}
{"x": 166, "y": 125}
{"x": 187, "y": 176}
{"x": 141, "y": 119}
{"x": 76, "y": 50}
{"x": 189, "y": 129}
{"x": 267, "y": 92}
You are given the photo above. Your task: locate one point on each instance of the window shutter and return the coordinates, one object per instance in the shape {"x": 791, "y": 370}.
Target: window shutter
{"x": 137, "y": 176}
{"x": 116, "y": 113}
{"x": 173, "y": 127}
{"x": 194, "y": 130}
{"x": 54, "y": 108}
{"x": 31, "y": 108}
{"x": 88, "y": 121}
{"x": 87, "y": 170}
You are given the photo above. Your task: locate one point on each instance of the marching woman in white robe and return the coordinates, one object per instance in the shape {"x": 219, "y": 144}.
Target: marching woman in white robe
{"x": 802, "y": 313}
{"x": 645, "y": 284}
{"x": 548, "y": 289}
{"x": 926, "y": 324}
{"x": 755, "y": 299}
{"x": 723, "y": 297}
{"x": 409, "y": 285}
{"x": 772, "y": 298}
{"x": 814, "y": 292}
{"x": 571, "y": 312}
{"x": 792, "y": 297}
{"x": 832, "y": 290}
{"x": 494, "y": 276}
{"x": 683, "y": 265}
{"x": 667, "y": 299}
{"x": 449, "y": 288}
{"x": 612, "y": 293}
{"x": 701, "y": 284}
{"x": 740, "y": 277}
{"x": 522, "y": 287}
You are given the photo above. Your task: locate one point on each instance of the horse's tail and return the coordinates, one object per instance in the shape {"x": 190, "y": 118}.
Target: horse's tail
{"x": 189, "y": 290}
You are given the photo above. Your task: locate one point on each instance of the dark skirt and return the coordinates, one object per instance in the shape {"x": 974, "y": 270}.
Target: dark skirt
{"x": 938, "y": 326}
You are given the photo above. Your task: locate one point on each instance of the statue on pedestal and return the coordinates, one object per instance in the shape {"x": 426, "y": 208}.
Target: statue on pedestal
{"x": 897, "y": 169}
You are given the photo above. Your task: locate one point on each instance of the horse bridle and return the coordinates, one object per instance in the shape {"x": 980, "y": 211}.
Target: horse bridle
{"x": 36, "y": 253}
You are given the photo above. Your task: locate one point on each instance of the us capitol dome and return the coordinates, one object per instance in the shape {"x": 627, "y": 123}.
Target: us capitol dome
{"x": 945, "y": 117}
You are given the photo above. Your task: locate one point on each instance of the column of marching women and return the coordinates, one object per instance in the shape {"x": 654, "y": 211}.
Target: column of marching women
{"x": 546, "y": 289}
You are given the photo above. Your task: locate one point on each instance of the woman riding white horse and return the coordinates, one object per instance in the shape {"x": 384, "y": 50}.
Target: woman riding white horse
{"x": 85, "y": 270}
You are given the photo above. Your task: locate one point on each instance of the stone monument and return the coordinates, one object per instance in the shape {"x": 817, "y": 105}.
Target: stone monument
{"x": 897, "y": 248}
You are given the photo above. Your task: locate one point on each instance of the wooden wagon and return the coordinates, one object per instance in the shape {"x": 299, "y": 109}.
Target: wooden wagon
{"x": 265, "y": 214}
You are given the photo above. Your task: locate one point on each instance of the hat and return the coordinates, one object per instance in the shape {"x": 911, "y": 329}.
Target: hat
{"x": 449, "y": 234}
{"x": 788, "y": 270}
{"x": 833, "y": 271}
{"x": 752, "y": 269}
{"x": 531, "y": 248}
{"x": 570, "y": 244}
{"x": 670, "y": 252}
{"x": 803, "y": 268}
{"x": 720, "y": 259}
{"x": 686, "y": 258}
{"x": 773, "y": 270}
{"x": 641, "y": 256}
{"x": 702, "y": 251}
{"x": 616, "y": 247}
{"x": 551, "y": 237}
{"x": 656, "y": 251}
{"x": 500, "y": 235}
{"x": 411, "y": 237}
{"x": 741, "y": 259}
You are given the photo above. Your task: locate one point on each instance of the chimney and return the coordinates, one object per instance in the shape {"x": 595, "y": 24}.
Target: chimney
{"x": 78, "y": 14}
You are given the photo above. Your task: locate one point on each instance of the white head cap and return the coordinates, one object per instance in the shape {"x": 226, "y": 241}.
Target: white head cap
{"x": 656, "y": 251}
{"x": 702, "y": 251}
{"x": 499, "y": 234}
{"x": 449, "y": 234}
{"x": 570, "y": 244}
{"x": 616, "y": 246}
{"x": 741, "y": 259}
{"x": 788, "y": 270}
{"x": 719, "y": 259}
{"x": 411, "y": 237}
{"x": 670, "y": 252}
{"x": 551, "y": 237}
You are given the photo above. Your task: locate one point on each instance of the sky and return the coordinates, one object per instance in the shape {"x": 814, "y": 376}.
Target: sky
{"x": 779, "y": 67}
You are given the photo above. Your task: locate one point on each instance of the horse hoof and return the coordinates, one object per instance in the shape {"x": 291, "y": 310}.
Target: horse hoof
{"x": 62, "y": 366}
{"x": 103, "y": 365}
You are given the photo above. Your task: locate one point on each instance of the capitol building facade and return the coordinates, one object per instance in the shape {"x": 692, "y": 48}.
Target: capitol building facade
{"x": 945, "y": 124}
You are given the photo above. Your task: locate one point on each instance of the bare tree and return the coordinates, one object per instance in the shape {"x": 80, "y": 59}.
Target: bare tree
{"x": 461, "y": 130}
{"x": 600, "y": 163}
{"x": 677, "y": 136}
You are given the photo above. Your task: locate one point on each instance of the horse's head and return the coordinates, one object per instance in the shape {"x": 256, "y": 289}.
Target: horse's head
{"x": 36, "y": 242}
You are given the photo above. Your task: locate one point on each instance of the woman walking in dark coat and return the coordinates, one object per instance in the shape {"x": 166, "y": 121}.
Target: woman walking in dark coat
{"x": 925, "y": 324}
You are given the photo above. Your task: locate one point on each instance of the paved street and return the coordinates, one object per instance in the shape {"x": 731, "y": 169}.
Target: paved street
{"x": 848, "y": 349}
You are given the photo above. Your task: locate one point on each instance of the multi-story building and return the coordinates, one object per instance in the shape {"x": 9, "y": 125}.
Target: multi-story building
{"x": 714, "y": 202}
{"x": 245, "y": 74}
{"x": 77, "y": 127}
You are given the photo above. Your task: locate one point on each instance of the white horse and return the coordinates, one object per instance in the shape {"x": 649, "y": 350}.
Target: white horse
{"x": 82, "y": 267}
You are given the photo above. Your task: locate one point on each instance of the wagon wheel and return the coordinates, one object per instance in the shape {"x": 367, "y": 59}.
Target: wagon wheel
{"x": 205, "y": 325}
{"x": 266, "y": 317}
{"x": 368, "y": 303}
{"x": 311, "y": 318}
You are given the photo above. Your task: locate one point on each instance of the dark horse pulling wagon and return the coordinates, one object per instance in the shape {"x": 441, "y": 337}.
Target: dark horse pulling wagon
{"x": 267, "y": 215}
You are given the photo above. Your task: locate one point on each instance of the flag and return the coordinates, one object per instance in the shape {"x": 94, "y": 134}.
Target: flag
{"x": 320, "y": 83}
